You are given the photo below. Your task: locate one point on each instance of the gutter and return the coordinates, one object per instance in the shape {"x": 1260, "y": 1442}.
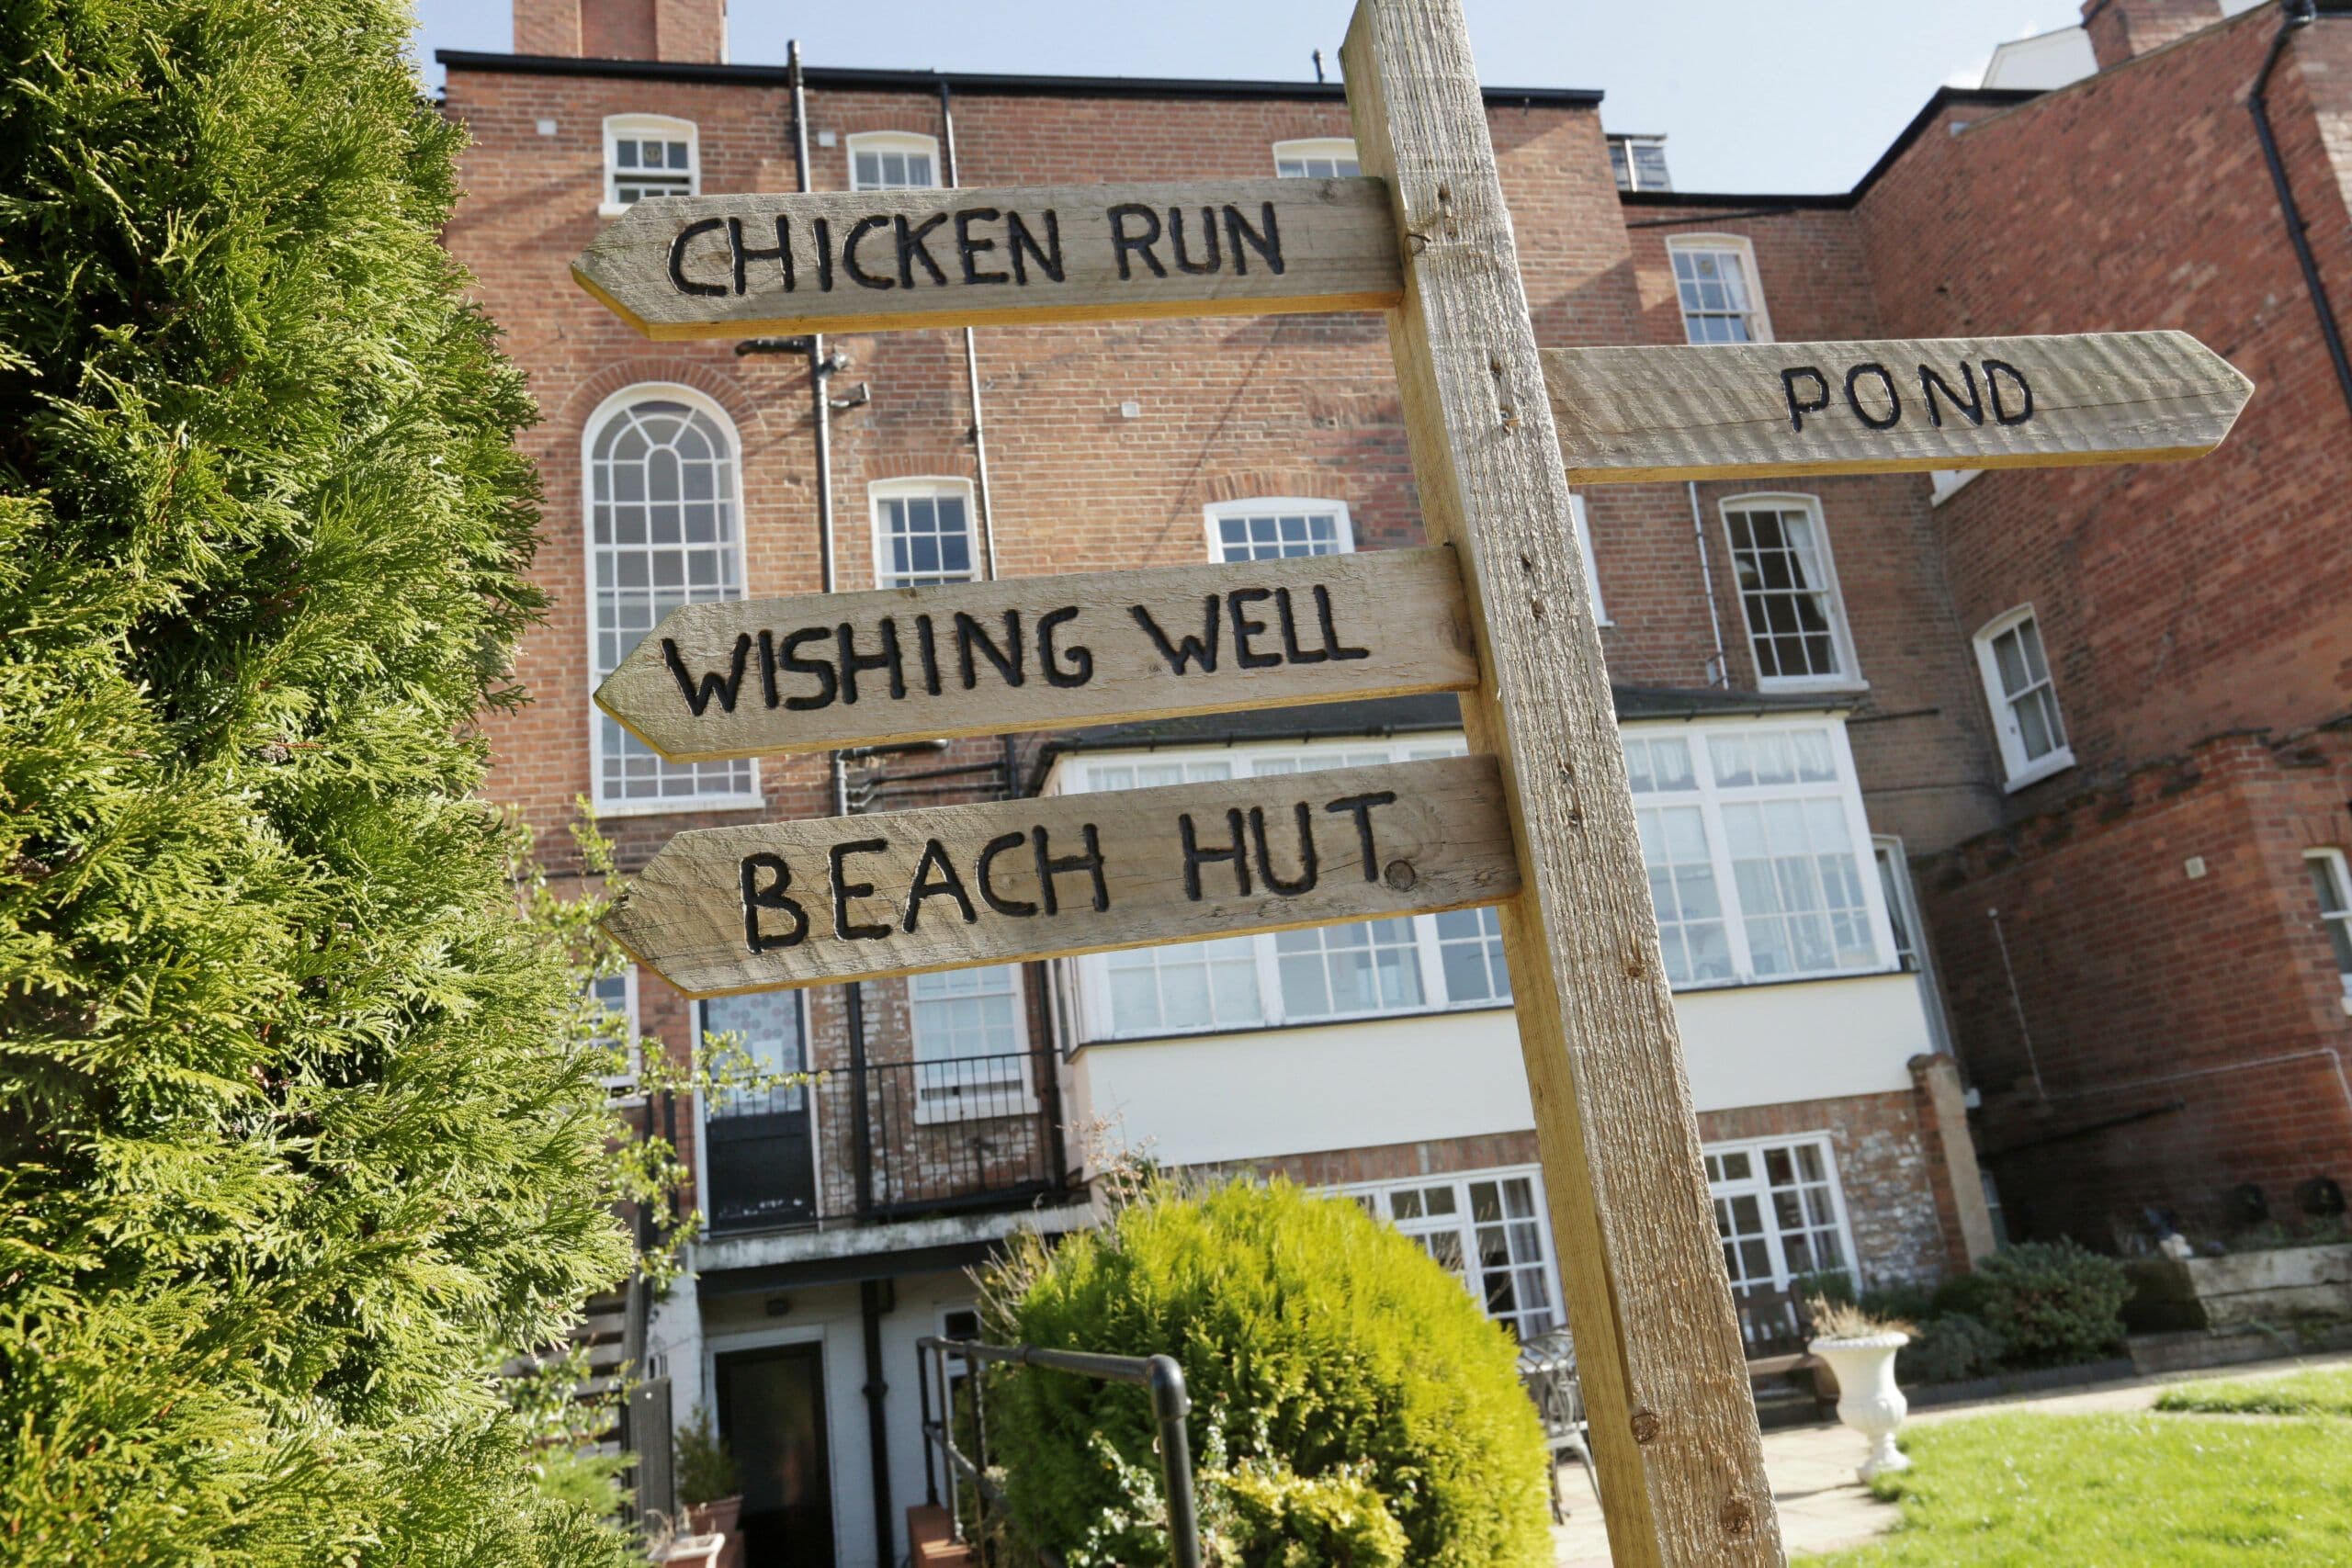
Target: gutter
{"x": 2294, "y": 17}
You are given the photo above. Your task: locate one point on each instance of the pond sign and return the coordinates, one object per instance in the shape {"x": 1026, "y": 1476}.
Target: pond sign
{"x": 1537, "y": 820}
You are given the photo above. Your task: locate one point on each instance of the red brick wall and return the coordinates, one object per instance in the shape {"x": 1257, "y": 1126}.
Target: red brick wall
{"x": 2121, "y": 28}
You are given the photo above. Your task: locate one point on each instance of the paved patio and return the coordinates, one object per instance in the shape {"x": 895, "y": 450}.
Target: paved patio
{"x": 1823, "y": 1507}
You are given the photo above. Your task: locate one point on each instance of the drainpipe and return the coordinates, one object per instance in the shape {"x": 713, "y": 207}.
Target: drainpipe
{"x": 2294, "y": 17}
{"x": 876, "y": 1297}
{"x": 1719, "y": 673}
{"x": 980, "y": 492}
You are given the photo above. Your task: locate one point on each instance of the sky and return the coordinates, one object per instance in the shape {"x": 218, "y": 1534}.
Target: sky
{"x": 1751, "y": 95}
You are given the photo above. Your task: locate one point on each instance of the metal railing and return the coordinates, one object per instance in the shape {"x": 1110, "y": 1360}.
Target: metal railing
{"x": 965, "y": 1131}
{"x": 1171, "y": 1406}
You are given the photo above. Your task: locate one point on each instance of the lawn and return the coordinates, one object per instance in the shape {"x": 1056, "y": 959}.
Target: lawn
{"x": 2123, "y": 1490}
{"x": 2322, "y": 1392}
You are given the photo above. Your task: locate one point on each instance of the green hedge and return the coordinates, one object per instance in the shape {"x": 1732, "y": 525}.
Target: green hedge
{"x": 1352, "y": 1404}
{"x": 2052, "y": 1303}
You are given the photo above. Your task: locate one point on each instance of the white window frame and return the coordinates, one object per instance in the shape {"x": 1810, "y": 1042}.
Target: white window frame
{"x": 1582, "y": 523}
{"x": 1215, "y": 512}
{"x": 918, "y": 487}
{"x": 1759, "y": 316}
{"x": 651, "y": 391}
{"x": 1331, "y": 148}
{"x": 1847, "y": 677}
{"x": 1762, "y": 1186}
{"x": 2006, "y": 731}
{"x": 1375, "y": 1197}
{"x": 892, "y": 141}
{"x": 1945, "y": 483}
{"x": 1626, "y": 143}
{"x": 1711, "y": 799}
{"x": 668, "y": 127}
{"x": 623, "y": 1084}
{"x": 1896, "y": 869}
{"x": 931, "y": 1109}
{"x": 2332, "y": 864}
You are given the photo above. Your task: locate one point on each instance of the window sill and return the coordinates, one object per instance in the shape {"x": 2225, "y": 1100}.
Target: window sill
{"x": 2058, "y": 761}
{"x": 676, "y": 806}
{"x": 1826, "y": 685}
{"x": 1939, "y": 493}
{"x": 948, "y": 1112}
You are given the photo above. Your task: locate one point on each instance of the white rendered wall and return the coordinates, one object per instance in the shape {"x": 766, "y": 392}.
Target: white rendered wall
{"x": 1252, "y": 1095}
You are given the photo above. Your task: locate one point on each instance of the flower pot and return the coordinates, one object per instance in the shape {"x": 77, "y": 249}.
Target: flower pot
{"x": 719, "y": 1518}
{"x": 1868, "y": 1400}
{"x": 694, "y": 1552}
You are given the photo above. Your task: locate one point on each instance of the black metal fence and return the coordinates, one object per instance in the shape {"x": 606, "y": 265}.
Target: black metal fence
{"x": 884, "y": 1141}
{"x": 1171, "y": 1406}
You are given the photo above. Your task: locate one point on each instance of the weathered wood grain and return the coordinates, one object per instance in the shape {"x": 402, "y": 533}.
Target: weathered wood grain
{"x": 1754, "y": 410}
{"x": 1436, "y": 830}
{"x": 758, "y": 676}
{"x": 1664, "y": 1372}
{"x": 870, "y": 261}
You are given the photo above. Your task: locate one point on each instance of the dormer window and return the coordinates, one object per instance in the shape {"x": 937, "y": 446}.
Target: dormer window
{"x": 646, "y": 155}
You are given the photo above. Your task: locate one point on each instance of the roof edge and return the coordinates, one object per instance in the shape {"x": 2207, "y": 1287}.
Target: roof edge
{"x": 1006, "y": 84}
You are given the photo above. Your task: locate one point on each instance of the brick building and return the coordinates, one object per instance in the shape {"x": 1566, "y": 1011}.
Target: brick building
{"x": 1838, "y": 776}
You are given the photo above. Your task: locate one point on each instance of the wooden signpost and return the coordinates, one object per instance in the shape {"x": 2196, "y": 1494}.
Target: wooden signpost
{"x": 1538, "y": 820}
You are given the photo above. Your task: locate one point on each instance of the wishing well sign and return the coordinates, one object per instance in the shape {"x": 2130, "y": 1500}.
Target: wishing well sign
{"x": 1538, "y": 821}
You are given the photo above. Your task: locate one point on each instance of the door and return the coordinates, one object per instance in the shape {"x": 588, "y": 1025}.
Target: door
{"x": 772, "y": 1414}
{"x": 759, "y": 1143}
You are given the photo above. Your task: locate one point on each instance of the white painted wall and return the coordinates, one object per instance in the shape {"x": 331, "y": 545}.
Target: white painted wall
{"x": 828, "y": 1313}
{"x": 1398, "y": 1080}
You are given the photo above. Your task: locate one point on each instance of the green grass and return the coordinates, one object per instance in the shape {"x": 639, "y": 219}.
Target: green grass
{"x": 2321, "y": 1391}
{"x": 2122, "y": 1491}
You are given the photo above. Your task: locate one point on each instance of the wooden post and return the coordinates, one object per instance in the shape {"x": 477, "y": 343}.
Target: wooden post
{"x": 1658, "y": 1348}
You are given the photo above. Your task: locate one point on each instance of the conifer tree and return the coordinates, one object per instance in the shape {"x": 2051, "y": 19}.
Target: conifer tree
{"x": 292, "y": 1151}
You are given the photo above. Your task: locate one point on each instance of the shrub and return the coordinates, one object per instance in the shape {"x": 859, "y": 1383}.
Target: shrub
{"x": 2052, "y": 1303}
{"x": 1832, "y": 1285}
{"x": 1351, "y": 1405}
{"x": 1915, "y": 1303}
{"x": 1950, "y": 1348}
{"x": 705, "y": 1470}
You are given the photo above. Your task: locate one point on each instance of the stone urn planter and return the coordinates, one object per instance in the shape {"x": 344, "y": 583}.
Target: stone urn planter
{"x": 692, "y": 1552}
{"x": 1868, "y": 1400}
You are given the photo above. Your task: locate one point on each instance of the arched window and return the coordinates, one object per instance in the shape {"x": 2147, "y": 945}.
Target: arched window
{"x": 665, "y": 529}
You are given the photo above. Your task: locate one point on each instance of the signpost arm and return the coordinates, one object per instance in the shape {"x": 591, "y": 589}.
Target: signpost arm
{"x": 1658, "y": 1348}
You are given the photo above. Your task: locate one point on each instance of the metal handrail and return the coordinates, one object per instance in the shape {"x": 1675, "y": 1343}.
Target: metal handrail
{"x": 1171, "y": 1406}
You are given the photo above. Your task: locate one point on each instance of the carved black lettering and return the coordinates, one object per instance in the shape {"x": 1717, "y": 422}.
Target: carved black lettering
{"x": 1893, "y": 399}
{"x": 927, "y": 645}
{"x": 1309, "y": 870}
{"x": 1246, "y": 626}
{"x": 1050, "y": 866}
{"x": 1023, "y": 246}
{"x": 767, "y": 667}
{"x": 1289, "y": 621}
{"x": 1122, "y": 243}
{"x": 1176, "y": 241}
{"x": 936, "y": 878}
{"x": 857, "y": 273}
{"x": 1331, "y": 643}
{"x": 1181, "y": 655}
{"x": 911, "y": 249}
{"x": 1268, "y": 243}
{"x": 1003, "y": 843}
{"x": 789, "y": 660}
{"x": 844, "y": 890}
{"x": 1359, "y": 807}
{"x": 713, "y": 685}
{"x": 969, "y": 246}
{"x": 1797, "y": 411}
{"x": 1196, "y": 857}
{"x": 772, "y": 896}
{"x": 1994, "y": 370}
{"x": 970, "y": 633}
{"x": 1931, "y": 383}
{"x": 852, "y": 662}
{"x": 678, "y": 277}
{"x": 823, "y": 230}
{"x": 1082, "y": 660}
{"x": 744, "y": 255}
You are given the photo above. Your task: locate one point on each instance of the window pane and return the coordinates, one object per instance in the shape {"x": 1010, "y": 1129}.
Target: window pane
{"x": 765, "y": 1026}
{"x": 926, "y": 539}
{"x": 1269, "y": 537}
{"x": 1786, "y": 599}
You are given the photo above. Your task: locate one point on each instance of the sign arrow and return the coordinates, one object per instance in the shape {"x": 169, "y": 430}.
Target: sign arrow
{"x": 870, "y": 261}
{"x": 1754, "y": 410}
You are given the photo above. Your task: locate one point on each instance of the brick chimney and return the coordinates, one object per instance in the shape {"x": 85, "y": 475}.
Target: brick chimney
{"x": 2124, "y": 30}
{"x": 623, "y": 29}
